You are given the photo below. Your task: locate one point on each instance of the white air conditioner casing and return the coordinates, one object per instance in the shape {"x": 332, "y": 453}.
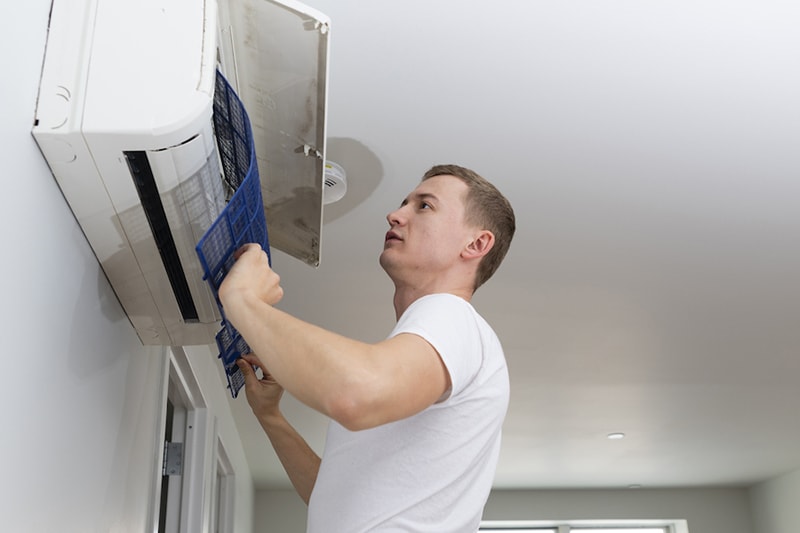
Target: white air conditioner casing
{"x": 122, "y": 78}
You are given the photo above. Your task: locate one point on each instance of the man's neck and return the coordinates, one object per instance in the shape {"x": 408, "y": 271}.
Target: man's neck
{"x": 405, "y": 296}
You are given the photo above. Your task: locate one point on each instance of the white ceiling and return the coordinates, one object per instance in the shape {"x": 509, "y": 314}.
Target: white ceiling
{"x": 652, "y": 153}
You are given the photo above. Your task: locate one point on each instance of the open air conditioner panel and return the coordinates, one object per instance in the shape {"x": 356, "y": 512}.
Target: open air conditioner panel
{"x": 275, "y": 54}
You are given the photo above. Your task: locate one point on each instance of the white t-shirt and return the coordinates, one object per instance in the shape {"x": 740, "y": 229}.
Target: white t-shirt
{"x": 431, "y": 472}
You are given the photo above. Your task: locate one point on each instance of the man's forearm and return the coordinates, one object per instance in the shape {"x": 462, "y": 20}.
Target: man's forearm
{"x": 359, "y": 385}
{"x": 298, "y": 459}
{"x": 316, "y": 366}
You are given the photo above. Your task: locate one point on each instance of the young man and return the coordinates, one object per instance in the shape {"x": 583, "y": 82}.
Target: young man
{"x": 416, "y": 419}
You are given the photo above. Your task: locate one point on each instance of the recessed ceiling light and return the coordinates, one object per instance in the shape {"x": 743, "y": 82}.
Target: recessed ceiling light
{"x": 616, "y": 436}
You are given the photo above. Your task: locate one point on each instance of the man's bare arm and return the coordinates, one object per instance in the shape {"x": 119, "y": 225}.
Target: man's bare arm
{"x": 360, "y": 385}
{"x": 299, "y": 461}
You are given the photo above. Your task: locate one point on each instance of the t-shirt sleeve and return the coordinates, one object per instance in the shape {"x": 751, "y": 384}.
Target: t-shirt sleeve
{"x": 448, "y": 323}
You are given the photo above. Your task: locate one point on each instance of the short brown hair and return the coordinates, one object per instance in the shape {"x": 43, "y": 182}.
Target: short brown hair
{"x": 486, "y": 208}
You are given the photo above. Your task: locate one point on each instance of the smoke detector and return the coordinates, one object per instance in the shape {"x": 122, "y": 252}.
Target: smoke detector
{"x": 335, "y": 183}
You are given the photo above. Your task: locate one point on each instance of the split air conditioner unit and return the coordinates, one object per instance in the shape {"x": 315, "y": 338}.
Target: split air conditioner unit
{"x": 127, "y": 90}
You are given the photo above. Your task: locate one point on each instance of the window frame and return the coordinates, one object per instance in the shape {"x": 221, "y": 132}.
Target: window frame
{"x": 575, "y": 526}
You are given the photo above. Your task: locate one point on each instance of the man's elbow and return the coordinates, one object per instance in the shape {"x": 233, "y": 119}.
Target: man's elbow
{"x": 354, "y": 411}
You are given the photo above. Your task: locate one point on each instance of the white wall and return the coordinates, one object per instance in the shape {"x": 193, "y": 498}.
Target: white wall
{"x": 279, "y": 511}
{"x": 79, "y": 394}
{"x": 776, "y": 504}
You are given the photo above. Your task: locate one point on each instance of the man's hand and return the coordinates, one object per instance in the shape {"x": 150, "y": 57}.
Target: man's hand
{"x": 263, "y": 395}
{"x": 251, "y": 274}
{"x": 298, "y": 459}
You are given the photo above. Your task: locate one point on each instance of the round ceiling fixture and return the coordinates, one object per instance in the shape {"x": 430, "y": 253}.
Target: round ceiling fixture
{"x": 335, "y": 183}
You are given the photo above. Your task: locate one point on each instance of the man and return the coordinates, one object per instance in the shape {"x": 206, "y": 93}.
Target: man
{"x": 415, "y": 431}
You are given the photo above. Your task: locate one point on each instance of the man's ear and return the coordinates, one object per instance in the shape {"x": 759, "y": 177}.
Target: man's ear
{"x": 480, "y": 245}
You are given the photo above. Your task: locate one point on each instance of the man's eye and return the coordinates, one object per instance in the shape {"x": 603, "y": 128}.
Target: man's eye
{"x": 424, "y": 205}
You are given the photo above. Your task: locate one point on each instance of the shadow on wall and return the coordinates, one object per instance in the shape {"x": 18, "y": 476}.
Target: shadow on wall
{"x": 93, "y": 349}
{"x": 364, "y": 173}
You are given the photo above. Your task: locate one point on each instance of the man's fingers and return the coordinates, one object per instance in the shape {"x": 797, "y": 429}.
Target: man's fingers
{"x": 246, "y": 248}
{"x": 248, "y": 363}
{"x": 252, "y": 360}
{"x": 247, "y": 369}
{"x": 242, "y": 249}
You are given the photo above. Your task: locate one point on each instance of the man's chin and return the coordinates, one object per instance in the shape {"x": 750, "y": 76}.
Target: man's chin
{"x": 385, "y": 261}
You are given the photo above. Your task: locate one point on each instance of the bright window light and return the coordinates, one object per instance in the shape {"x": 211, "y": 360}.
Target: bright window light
{"x": 619, "y": 530}
{"x": 515, "y": 530}
{"x": 512, "y": 529}
{"x": 584, "y": 526}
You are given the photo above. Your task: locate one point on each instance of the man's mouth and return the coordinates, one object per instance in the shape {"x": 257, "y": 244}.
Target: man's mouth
{"x": 392, "y": 236}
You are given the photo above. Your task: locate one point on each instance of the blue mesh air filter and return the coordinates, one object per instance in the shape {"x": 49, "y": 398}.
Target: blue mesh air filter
{"x": 241, "y": 222}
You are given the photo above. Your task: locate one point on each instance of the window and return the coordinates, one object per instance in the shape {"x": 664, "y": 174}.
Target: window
{"x": 585, "y": 526}
{"x": 621, "y": 530}
{"x": 568, "y": 529}
{"x": 521, "y": 530}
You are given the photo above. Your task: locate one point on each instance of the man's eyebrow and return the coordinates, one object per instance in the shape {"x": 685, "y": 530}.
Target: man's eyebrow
{"x": 422, "y": 196}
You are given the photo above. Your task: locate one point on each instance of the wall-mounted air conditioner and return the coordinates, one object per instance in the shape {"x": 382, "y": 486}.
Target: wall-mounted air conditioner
{"x": 124, "y": 120}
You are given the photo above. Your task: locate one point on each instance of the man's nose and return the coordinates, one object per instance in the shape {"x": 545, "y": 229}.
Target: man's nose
{"x": 395, "y": 217}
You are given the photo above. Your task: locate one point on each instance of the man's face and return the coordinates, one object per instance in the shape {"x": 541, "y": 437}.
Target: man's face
{"x": 428, "y": 231}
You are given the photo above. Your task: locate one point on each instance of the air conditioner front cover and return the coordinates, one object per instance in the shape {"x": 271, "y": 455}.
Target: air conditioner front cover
{"x": 276, "y": 56}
